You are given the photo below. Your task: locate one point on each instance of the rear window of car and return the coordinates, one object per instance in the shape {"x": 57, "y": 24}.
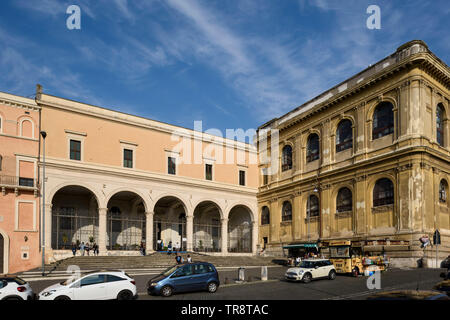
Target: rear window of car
{"x": 19, "y": 281}
{"x": 111, "y": 278}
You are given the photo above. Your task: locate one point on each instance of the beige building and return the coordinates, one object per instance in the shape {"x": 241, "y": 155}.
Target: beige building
{"x": 117, "y": 180}
{"x": 366, "y": 160}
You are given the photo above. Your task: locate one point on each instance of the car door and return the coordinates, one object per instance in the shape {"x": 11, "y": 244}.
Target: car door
{"x": 91, "y": 287}
{"x": 201, "y": 276}
{"x": 316, "y": 273}
{"x": 182, "y": 280}
{"x": 114, "y": 284}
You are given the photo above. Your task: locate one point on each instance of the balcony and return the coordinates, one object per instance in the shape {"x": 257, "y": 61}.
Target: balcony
{"x": 17, "y": 182}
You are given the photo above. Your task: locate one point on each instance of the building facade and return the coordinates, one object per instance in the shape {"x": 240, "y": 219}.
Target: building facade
{"x": 19, "y": 198}
{"x": 119, "y": 180}
{"x": 365, "y": 160}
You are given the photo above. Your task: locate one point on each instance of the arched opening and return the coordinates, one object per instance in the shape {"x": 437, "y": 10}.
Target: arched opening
{"x": 440, "y": 132}
{"x": 126, "y": 222}
{"x": 27, "y": 129}
{"x": 344, "y": 201}
{"x": 383, "y": 120}
{"x": 240, "y": 230}
{"x": 286, "y": 213}
{"x": 313, "y": 148}
{"x": 169, "y": 224}
{"x": 344, "y": 136}
{"x": 286, "y": 160}
{"x": 443, "y": 191}
{"x": 207, "y": 227}
{"x": 383, "y": 193}
{"x": 74, "y": 217}
{"x": 265, "y": 216}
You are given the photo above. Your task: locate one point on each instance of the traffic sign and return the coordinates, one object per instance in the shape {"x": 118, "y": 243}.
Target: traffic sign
{"x": 437, "y": 237}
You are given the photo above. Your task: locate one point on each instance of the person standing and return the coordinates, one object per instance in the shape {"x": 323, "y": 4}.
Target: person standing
{"x": 74, "y": 249}
{"x": 169, "y": 248}
{"x": 82, "y": 247}
{"x": 178, "y": 259}
{"x": 189, "y": 259}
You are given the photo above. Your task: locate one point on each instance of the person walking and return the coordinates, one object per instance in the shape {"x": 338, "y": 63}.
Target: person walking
{"x": 189, "y": 259}
{"x": 82, "y": 247}
{"x": 178, "y": 259}
{"x": 169, "y": 248}
{"x": 95, "y": 247}
{"x": 88, "y": 248}
{"x": 74, "y": 249}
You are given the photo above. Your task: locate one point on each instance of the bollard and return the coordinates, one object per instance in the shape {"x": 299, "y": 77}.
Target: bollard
{"x": 241, "y": 275}
{"x": 264, "y": 275}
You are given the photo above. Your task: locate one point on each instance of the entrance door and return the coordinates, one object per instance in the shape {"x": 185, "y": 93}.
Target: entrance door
{"x": 1, "y": 254}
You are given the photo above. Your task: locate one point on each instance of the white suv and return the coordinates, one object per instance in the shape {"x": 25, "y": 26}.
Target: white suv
{"x": 98, "y": 285}
{"x": 14, "y": 288}
{"x": 311, "y": 269}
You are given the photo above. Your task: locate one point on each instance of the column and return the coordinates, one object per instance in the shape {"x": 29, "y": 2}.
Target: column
{"x": 149, "y": 232}
{"x": 255, "y": 237}
{"x": 190, "y": 232}
{"x": 102, "y": 214}
{"x": 224, "y": 234}
{"x": 48, "y": 226}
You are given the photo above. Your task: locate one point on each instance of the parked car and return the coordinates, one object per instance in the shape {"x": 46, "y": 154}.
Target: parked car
{"x": 97, "y": 285}
{"x": 14, "y": 288}
{"x": 311, "y": 269}
{"x": 409, "y": 295}
{"x": 197, "y": 276}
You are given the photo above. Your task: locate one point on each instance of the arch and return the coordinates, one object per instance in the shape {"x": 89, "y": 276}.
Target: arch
{"x": 131, "y": 190}
{"x": 250, "y": 209}
{"x": 240, "y": 229}
{"x": 383, "y": 120}
{"x": 375, "y": 104}
{"x": 53, "y": 191}
{"x": 5, "y": 256}
{"x": 179, "y": 198}
{"x": 443, "y": 191}
{"x": 265, "y": 215}
{"x": 440, "y": 124}
{"x": 313, "y": 147}
{"x": 286, "y": 211}
{"x": 200, "y": 201}
{"x": 383, "y": 192}
{"x": 344, "y": 135}
{"x": 207, "y": 230}
{"x": 286, "y": 158}
{"x": 344, "y": 200}
{"x": 21, "y": 124}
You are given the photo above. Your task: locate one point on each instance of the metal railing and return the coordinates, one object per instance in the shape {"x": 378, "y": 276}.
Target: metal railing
{"x": 17, "y": 181}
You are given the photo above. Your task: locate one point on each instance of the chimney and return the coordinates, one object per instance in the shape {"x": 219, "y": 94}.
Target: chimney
{"x": 38, "y": 91}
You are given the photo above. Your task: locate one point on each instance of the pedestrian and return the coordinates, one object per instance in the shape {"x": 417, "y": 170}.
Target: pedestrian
{"x": 297, "y": 261}
{"x": 177, "y": 246}
{"x": 88, "y": 248}
{"x": 189, "y": 259}
{"x": 142, "y": 248}
{"x": 74, "y": 249}
{"x": 82, "y": 247}
{"x": 95, "y": 247}
{"x": 169, "y": 248}
{"x": 178, "y": 259}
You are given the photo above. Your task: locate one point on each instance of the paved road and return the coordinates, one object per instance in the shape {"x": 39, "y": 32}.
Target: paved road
{"x": 343, "y": 287}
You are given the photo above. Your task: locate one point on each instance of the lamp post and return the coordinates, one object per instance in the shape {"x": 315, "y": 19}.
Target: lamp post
{"x": 44, "y": 135}
{"x": 316, "y": 189}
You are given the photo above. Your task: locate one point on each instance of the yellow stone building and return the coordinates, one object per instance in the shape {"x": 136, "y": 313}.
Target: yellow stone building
{"x": 367, "y": 159}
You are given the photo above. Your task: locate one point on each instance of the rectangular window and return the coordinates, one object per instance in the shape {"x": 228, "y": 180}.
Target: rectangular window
{"x": 208, "y": 171}
{"x": 241, "y": 178}
{"x": 265, "y": 177}
{"x": 128, "y": 158}
{"x": 171, "y": 165}
{"x": 75, "y": 150}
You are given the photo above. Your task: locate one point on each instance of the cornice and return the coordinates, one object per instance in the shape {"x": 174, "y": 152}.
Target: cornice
{"x": 18, "y": 102}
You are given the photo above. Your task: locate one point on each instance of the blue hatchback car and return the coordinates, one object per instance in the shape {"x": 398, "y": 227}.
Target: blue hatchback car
{"x": 196, "y": 276}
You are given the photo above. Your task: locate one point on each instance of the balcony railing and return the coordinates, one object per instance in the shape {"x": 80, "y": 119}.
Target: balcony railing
{"x": 14, "y": 181}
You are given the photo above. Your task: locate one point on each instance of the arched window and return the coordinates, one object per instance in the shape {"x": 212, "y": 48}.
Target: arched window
{"x": 383, "y": 120}
{"x": 383, "y": 193}
{"x": 312, "y": 151}
{"x": 443, "y": 190}
{"x": 440, "y": 124}
{"x": 286, "y": 160}
{"x": 344, "y": 136}
{"x": 344, "y": 200}
{"x": 312, "y": 206}
{"x": 265, "y": 216}
{"x": 286, "y": 214}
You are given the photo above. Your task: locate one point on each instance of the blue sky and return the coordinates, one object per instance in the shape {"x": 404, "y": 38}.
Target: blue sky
{"x": 231, "y": 64}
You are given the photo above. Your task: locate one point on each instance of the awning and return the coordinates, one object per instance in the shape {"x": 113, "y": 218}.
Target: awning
{"x": 301, "y": 245}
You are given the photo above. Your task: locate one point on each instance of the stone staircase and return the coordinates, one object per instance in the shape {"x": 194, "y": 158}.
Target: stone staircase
{"x": 153, "y": 261}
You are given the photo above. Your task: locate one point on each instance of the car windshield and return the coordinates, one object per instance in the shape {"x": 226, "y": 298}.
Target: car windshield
{"x": 307, "y": 264}
{"x": 340, "y": 252}
{"x": 20, "y": 281}
{"x": 169, "y": 271}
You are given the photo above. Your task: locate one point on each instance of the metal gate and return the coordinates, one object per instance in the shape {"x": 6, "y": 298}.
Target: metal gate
{"x": 165, "y": 232}
{"x": 2, "y": 242}
{"x": 240, "y": 239}
{"x": 125, "y": 233}
{"x": 207, "y": 238}
{"x": 71, "y": 225}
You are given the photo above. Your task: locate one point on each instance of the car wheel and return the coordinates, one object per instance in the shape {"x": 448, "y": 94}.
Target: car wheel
{"x": 166, "y": 291}
{"x": 125, "y": 295}
{"x": 212, "y": 287}
{"x": 355, "y": 272}
{"x": 307, "y": 278}
{"x": 62, "y": 298}
{"x": 332, "y": 275}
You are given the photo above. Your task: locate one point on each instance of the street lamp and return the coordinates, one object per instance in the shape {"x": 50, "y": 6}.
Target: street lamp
{"x": 44, "y": 135}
